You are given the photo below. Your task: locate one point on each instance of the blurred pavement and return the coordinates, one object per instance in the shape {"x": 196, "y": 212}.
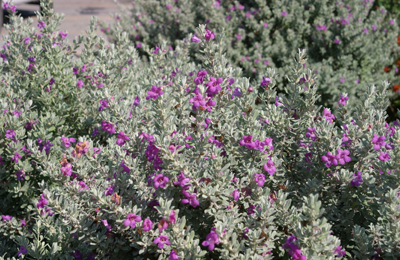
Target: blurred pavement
{"x": 77, "y": 14}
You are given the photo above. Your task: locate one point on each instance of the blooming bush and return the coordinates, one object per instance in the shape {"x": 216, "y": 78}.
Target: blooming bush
{"x": 348, "y": 42}
{"x": 122, "y": 158}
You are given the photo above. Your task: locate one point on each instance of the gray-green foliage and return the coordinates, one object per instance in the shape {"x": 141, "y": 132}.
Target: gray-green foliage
{"x": 305, "y": 198}
{"x": 258, "y": 36}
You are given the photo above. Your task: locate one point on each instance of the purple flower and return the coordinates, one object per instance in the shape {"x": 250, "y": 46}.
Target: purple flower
{"x": 384, "y": 157}
{"x": 339, "y": 252}
{"x": 161, "y": 240}
{"x": 342, "y": 100}
{"x": 10, "y": 134}
{"x": 122, "y": 138}
{"x": 293, "y": 249}
{"x": 147, "y": 225}
{"x": 265, "y": 82}
{"x": 211, "y": 240}
{"x": 41, "y": 24}
{"x": 182, "y": 180}
{"x": 105, "y": 126}
{"x": 42, "y": 202}
{"x": 156, "y": 50}
{"x": 213, "y": 86}
{"x": 337, "y": 41}
{"x": 342, "y": 80}
{"x": 6, "y": 218}
{"x": 173, "y": 255}
{"x": 103, "y": 104}
{"x": 77, "y": 255}
{"x": 200, "y": 77}
{"x": 154, "y": 92}
{"x": 27, "y": 40}
{"x": 79, "y": 83}
{"x": 20, "y": 175}
{"x": 259, "y": 178}
{"x": 357, "y": 180}
{"x": 136, "y": 102}
{"x": 329, "y": 159}
{"x": 160, "y": 181}
{"x": 328, "y": 115}
{"x": 365, "y": 30}
{"x": 284, "y": 13}
{"x": 191, "y": 199}
{"x": 195, "y": 39}
{"x": 321, "y": 27}
{"x": 236, "y": 194}
{"x": 378, "y": 141}
{"x": 236, "y": 93}
{"x": 247, "y": 142}
{"x": 131, "y": 220}
{"x": 209, "y": 35}
{"x": 67, "y": 170}
{"x": 22, "y": 251}
{"x": 67, "y": 141}
{"x": 29, "y": 125}
{"x": 311, "y": 134}
{"x": 63, "y": 35}
{"x": 44, "y": 145}
{"x": 307, "y": 157}
{"x": 343, "y": 156}
{"x": 16, "y": 157}
{"x": 270, "y": 167}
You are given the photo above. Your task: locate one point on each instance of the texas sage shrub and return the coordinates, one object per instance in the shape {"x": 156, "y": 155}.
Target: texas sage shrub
{"x": 348, "y": 42}
{"x": 120, "y": 158}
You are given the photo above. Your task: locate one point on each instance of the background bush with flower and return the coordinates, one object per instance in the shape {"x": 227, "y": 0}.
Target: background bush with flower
{"x": 175, "y": 150}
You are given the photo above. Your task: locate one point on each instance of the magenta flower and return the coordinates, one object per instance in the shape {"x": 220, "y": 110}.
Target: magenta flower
{"x": 63, "y": 35}
{"x": 154, "y": 92}
{"x": 160, "y": 181}
{"x": 22, "y": 251}
{"x": 339, "y": 252}
{"x": 336, "y": 41}
{"x": 161, "y": 240}
{"x": 209, "y": 35}
{"x": 293, "y": 249}
{"x": 307, "y": 157}
{"x": 265, "y": 82}
{"x": 284, "y": 13}
{"x": 343, "y": 156}
{"x": 195, "y": 39}
{"x": 342, "y": 100}
{"x": 147, "y": 225}
{"x": 328, "y": 115}
{"x": 131, "y": 220}
{"x": 235, "y": 194}
{"x": 378, "y": 141}
{"x": 79, "y": 83}
{"x": 103, "y": 104}
{"x": 41, "y": 24}
{"x": 329, "y": 159}
{"x": 211, "y": 240}
{"x": 108, "y": 127}
{"x": 200, "y": 77}
{"x": 357, "y": 180}
{"x": 311, "y": 134}
{"x": 67, "y": 170}
{"x": 27, "y": 40}
{"x": 198, "y": 101}
{"x": 20, "y": 175}
{"x": 173, "y": 255}
{"x": 259, "y": 178}
{"x": 270, "y": 167}
{"x": 42, "y": 202}
{"x": 191, "y": 199}
{"x": 122, "y": 138}
{"x": 384, "y": 157}
{"x": 67, "y": 141}
{"x": 247, "y": 141}
{"x": 213, "y": 86}
{"x": 182, "y": 180}
{"x": 16, "y": 157}
{"x": 172, "y": 217}
{"x": 6, "y": 218}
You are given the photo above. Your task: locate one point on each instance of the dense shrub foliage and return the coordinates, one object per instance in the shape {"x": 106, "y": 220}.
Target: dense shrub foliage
{"x": 107, "y": 156}
{"x": 349, "y": 43}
